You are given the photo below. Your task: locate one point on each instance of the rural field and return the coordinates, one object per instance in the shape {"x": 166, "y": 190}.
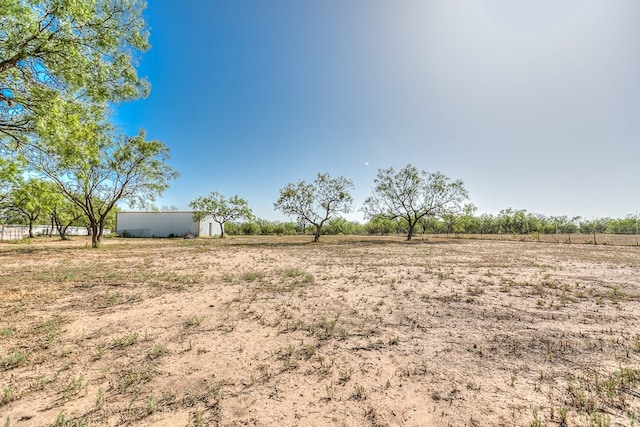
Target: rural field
{"x": 350, "y": 331}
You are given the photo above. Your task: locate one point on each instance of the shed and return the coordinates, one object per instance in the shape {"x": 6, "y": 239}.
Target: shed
{"x": 163, "y": 224}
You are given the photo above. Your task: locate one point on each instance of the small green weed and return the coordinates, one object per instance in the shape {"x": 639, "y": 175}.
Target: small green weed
{"x": 152, "y": 404}
{"x": 536, "y": 417}
{"x": 100, "y": 398}
{"x": 599, "y": 420}
{"x": 8, "y": 395}
{"x": 7, "y": 331}
{"x": 617, "y": 294}
{"x": 252, "y": 276}
{"x": 113, "y": 298}
{"x": 51, "y": 328}
{"x": 216, "y": 390}
{"x": 157, "y": 351}
{"x": 194, "y": 321}
{"x": 298, "y": 276}
{"x": 323, "y": 329}
{"x": 73, "y": 387}
{"x": 62, "y": 421}
{"x": 331, "y": 391}
{"x": 359, "y": 392}
{"x": 125, "y": 341}
{"x": 13, "y": 359}
{"x": 198, "y": 419}
{"x": 97, "y": 355}
{"x": 132, "y": 376}
{"x": 344, "y": 376}
{"x": 563, "y": 414}
{"x": 310, "y": 351}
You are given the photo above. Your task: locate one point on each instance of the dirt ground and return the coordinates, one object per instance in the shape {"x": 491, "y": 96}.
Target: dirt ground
{"x": 366, "y": 331}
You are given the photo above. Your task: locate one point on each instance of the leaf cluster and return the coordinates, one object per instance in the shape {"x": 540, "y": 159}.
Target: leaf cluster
{"x": 62, "y": 51}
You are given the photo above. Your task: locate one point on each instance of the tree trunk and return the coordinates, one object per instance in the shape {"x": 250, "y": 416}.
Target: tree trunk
{"x": 62, "y": 231}
{"x": 31, "y": 229}
{"x": 95, "y": 238}
{"x": 101, "y": 228}
{"x": 316, "y": 237}
{"x": 221, "y": 229}
{"x": 412, "y": 226}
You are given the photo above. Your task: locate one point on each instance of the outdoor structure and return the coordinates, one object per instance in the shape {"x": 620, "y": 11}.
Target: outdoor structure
{"x": 163, "y": 224}
{"x": 16, "y": 232}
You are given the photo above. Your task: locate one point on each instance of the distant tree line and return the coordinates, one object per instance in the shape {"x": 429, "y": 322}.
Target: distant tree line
{"x": 406, "y": 202}
{"x": 451, "y": 226}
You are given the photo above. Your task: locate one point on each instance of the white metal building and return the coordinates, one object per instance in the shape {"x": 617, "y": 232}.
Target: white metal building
{"x": 163, "y": 224}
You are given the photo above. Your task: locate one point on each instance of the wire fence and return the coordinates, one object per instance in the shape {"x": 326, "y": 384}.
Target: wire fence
{"x": 12, "y": 232}
{"x": 16, "y": 232}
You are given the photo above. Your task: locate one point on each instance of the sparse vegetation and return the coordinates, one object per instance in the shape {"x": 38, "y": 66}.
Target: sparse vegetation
{"x": 194, "y": 320}
{"x": 125, "y": 341}
{"x": 343, "y": 325}
{"x": 8, "y": 394}
{"x": 7, "y": 331}
{"x": 13, "y": 359}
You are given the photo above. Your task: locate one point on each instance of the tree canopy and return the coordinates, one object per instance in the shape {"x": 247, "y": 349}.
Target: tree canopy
{"x": 95, "y": 174}
{"x": 220, "y": 209}
{"x": 411, "y": 194}
{"x": 316, "y": 202}
{"x": 8, "y": 176}
{"x": 57, "y": 52}
{"x": 31, "y": 199}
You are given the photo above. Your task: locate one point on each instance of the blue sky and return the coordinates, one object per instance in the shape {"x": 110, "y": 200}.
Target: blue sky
{"x": 533, "y": 104}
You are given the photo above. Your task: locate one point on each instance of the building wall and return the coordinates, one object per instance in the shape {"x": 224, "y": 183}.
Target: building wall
{"x": 162, "y": 224}
{"x": 209, "y": 228}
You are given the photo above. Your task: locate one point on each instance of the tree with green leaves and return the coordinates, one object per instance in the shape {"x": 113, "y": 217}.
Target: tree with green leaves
{"x": 64, "y": 213}
{"x": 340, "y": 226}
{"x": 411, "y": 195}
{"x": 221, "y": 209}
{"x": 461, "y": 222}
{"x": 429, "y": 224}
{"x": 594, "y": 227}
{"x": 626, "y": 225}
{"x": 31, "y": 199}
{"x": 381, "y": 226}
{"x": 56, "y": 53}
{"x": 317, "y": 202}
{"x": 8, "y": 177}
{"x": 98, "y": 172}
{"x": 513, "y": 221}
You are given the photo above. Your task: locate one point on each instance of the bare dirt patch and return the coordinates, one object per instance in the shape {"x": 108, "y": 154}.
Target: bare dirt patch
{"x": 349, "y": 331}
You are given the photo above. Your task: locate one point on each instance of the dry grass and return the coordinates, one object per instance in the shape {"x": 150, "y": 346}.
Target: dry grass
{"x": 349, "y": 331}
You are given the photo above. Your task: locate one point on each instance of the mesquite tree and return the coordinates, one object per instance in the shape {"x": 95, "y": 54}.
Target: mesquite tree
{"x": 316, "y": 202}
{"x": 216, "y": 206}
{"x": 102, "y": 170}
{"x": 411, "y": 195}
